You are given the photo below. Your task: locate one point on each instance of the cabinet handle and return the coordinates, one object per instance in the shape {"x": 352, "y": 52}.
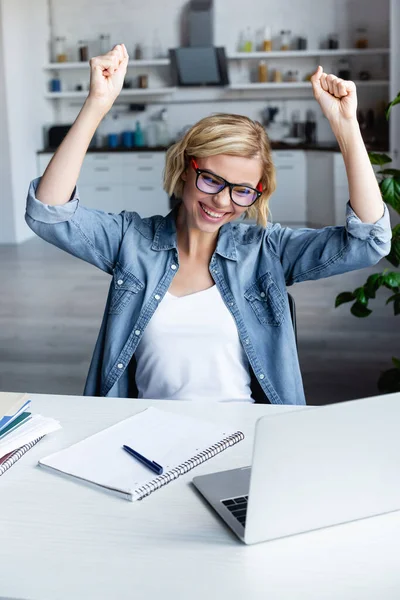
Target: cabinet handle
{"x": 101, "y": 157}
{"x": 285, "y": 167}
{"x": 144, "y": 155}
{"x": 145, "y": 168}
{"x": 103, "y": 189}
{"x": 146, "y": 188}
{"x": 102, "y": 169}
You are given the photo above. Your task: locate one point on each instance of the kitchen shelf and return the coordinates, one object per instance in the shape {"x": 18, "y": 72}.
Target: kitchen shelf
{"x": 66, "y": 66}
{"x": 124, "y": 93}
{"x": 297, "y": 85}
{"x": 308, "y": 53}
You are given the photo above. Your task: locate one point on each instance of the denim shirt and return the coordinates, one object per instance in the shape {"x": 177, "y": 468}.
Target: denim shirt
{"x": 251, "y": 267}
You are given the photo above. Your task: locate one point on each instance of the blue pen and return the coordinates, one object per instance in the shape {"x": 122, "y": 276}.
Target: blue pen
{"x": 151, "y": 464}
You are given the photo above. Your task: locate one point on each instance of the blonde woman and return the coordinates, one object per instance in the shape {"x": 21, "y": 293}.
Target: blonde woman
{"x": 197, "y": 307}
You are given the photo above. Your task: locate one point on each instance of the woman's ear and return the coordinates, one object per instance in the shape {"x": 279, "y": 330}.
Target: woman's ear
{"x": 184, "y": 175}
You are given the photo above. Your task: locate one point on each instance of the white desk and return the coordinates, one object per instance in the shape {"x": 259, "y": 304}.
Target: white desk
{"x": 60, "y": 539}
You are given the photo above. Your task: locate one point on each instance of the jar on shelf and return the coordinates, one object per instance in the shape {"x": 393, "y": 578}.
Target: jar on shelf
{"x": 361, "y": 40}
{"x": 277, "y": 76}
{"x": 292, "y": 76}
{"x": 83, "y": 50}
{"x": 262, "y": 72}
{"x": 60, "y": 52}
{"x": 333, "y": 41}
{"x": 104, "y": 43}
{"x": 286, "y": 37}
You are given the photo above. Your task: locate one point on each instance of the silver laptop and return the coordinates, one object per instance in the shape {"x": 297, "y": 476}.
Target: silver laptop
{"x": 313, "y": 468}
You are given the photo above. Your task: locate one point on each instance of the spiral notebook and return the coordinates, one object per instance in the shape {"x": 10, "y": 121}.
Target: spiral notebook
{"x": 178, "y": 443}
{"x": 11, "y": 458}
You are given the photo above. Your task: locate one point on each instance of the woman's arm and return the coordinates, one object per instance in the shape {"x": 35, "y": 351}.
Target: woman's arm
{"x": 106, "y": 78}
{"x": 338, "y": 100}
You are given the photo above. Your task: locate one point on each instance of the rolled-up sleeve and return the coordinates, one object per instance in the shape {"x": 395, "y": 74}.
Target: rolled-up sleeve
{"x": 316, "y": 253}
{"x": 92, "y": 235}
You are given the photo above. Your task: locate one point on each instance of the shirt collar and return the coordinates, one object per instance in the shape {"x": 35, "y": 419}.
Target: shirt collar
{"x": 165, "y": 236}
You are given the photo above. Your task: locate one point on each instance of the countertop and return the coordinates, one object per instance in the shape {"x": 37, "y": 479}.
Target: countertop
{"x": 319, "y": 146}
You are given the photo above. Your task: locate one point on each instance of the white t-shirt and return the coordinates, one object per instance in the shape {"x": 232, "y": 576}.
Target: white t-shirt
{"x": 191, "y": 350}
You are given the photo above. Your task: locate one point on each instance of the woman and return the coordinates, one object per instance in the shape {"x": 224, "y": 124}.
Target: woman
{"x": 197, "y": 306}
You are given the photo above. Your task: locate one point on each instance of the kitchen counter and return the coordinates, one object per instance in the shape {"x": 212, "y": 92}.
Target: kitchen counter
{"x": 320, "y": 146}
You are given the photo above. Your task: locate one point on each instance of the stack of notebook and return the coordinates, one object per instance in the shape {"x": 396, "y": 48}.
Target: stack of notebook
{"x": 19, "y": 429}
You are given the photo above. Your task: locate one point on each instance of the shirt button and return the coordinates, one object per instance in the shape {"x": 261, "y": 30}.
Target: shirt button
{"x": 262, "y": 294}
{"x": 137, "y": 332}
{"x": 120, "y": 366}
{"x": 261, "y": 375}
{"x": 230, "y": 303}
{"x": 247, "y": 341}
{"x": 157, "y": 297}
{"x": 173, "y": 267}
{"x": 120, "y": 281}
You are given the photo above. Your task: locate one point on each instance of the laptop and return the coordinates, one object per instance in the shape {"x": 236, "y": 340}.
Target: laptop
{"x": 311, "y": 469}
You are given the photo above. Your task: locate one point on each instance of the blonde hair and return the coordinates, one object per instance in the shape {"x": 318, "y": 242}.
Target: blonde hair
{"x": 222, "y": 133}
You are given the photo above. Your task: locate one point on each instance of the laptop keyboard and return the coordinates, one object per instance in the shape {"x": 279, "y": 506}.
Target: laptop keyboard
{"x": 238, "y": 507}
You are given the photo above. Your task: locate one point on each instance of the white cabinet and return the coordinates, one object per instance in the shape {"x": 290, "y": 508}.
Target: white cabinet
{"x": 121, "y": 181}
{"x": 327, "y": 189}
{"x": 288, "y": 203}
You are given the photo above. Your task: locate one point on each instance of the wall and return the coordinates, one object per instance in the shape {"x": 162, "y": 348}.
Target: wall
{"x": 24, "y": 48}
{"x": 7, "y": 233}
{"x": 130, "y": 22}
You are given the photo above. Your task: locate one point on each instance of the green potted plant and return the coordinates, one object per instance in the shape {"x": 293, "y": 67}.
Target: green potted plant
{"x": 389, "y": 183}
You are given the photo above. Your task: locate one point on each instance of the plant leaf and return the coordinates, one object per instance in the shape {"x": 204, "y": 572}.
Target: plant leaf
{"x": 379, "y": 159}
{"x": 359, "y": 310}
{"x": 391, "y": 280}
{"x": 389, "y": 381}
{"x": 395, "y": 101}
{"x": 396, "y": 362}
{"x": 372, "y": 284}
{"x": 344, "y": 297}
{"x": 393, "y": 172}
{"x": 394, "y": 256}
{"x": 390, "y": 188}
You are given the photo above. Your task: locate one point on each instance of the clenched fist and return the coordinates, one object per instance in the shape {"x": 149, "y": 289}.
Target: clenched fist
{"x": 107, "y": 75}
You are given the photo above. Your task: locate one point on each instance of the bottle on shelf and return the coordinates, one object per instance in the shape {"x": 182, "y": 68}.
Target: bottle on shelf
{"x": 104, "y": 43}
{"x": 343, "y": 70}
{"x": 138, "y": 52}
{"x": 157, "y": 50}
{"x": 83, "y": 50}
{"x": 163, "y": 136}
{"x": 60, "y": 52}
{"x": 139, "y": 136}
{"x": 277, "y": 76}
{"x": 310, "y": 129}
{"x": 267, "y": 40}
{"x": 262, "y": 72}
{"x": 248, "y": 42}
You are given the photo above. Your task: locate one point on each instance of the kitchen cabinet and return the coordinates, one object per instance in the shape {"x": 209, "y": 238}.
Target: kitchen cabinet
{"x": 121, "y": 181}
{"x": 288, "y": 204}
{"x": 327, "y": 189}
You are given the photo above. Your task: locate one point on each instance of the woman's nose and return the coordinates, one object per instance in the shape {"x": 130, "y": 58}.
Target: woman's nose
{"x": 223, "y": 198}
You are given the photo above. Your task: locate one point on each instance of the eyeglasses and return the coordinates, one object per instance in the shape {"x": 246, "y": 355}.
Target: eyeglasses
{"x": 209, "y": 183}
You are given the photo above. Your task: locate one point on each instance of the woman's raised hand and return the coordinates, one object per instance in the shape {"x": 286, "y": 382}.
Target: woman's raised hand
{"x": 337, "y": 98}
{"x": 107, "y": 75}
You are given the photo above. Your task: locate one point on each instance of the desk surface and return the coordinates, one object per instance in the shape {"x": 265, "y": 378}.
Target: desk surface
{"x": 62, "y": 539}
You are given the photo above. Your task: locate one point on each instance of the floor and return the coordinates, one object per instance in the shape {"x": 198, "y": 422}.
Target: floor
{"x": 51, "y": 307}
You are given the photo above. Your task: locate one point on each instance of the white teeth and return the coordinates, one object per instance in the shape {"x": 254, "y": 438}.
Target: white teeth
{"x": 212, "y": 214}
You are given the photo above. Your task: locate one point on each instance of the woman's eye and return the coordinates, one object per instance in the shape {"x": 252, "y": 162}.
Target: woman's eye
{"x": 211, "y": 180}
{"x": 243, "y": 191}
